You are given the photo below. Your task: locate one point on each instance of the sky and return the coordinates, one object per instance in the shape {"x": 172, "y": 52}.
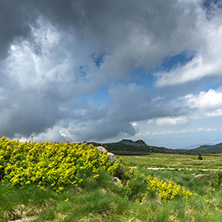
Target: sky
{"x": 102, "y": 70}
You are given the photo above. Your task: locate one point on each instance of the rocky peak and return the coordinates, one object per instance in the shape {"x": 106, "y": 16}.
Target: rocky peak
{"x": 133, "y": 143}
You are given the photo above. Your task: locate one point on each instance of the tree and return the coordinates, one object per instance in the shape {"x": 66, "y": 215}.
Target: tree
{"x": 199, "y": 157}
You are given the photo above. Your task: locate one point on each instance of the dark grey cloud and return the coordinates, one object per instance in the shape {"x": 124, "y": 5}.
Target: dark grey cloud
{"x": 130, "y": 103}
{"x": 13, "y": 24}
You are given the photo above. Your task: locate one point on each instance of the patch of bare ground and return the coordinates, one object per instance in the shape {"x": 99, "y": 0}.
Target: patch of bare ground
{"x": 22, "y": 213}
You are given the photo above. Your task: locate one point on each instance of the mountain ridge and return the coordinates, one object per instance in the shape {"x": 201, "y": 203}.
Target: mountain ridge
{"x": 217, "y": 148}
{"x": 130, "y": 147}
{"x": 139, "y": 147}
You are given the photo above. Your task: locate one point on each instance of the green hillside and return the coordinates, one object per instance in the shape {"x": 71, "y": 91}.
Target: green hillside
{"x": 130, "y": 147}
{"x": 207, "y": 149}
{"x": 139, "y": 147}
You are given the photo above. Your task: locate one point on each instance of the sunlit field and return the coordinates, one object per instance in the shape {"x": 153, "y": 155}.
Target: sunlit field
{"x": 66, "y": 182}
{"x": 179, "y": 161}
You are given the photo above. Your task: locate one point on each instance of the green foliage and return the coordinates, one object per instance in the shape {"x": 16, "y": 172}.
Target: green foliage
{"x": 139, "y": 188}
{"x": 51, "y": 164}
{"x": 134, "y": 185}
{"x": 168, "y": 191}
{"x": 199, "y": 157}
{"x": 216, "y": 181}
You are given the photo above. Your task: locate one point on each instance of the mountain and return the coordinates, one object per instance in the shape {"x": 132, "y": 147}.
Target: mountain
{"x": 207, "y": 149}
{"x": 179, "y": 150}
{"x": 130, "y": 147}
{"x": 139, "y": 147}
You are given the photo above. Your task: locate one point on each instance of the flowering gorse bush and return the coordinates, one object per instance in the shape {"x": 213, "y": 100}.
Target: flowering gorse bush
{"x": 140, "y": 187}
{"x": 51, "y": 164}
{"x": 168, "y": 191}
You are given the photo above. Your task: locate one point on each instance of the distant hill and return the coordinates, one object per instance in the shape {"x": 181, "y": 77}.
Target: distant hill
{"x": 130, "y": 147}
{"x": 139, "y": 147}
{"x": 179, "y": 150}
{"x": 207, "y": 149}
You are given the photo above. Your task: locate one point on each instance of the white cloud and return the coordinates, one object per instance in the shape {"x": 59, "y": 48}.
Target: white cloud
{"x": 207, "y": 53}
{"x": 183, "y": 131}
{"x": 205, "y": 100}
{"x": 193, "y": 70}
{"x": 171, "y": 121}
{"x": 217, "y": 112}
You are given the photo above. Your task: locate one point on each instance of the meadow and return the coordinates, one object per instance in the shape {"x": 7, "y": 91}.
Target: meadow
{"x": 66, "y": 182}
{"x": 177, "y": 161}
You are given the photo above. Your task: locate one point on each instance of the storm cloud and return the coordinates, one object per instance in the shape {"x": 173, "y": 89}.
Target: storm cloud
{"x": 59, "y": 57}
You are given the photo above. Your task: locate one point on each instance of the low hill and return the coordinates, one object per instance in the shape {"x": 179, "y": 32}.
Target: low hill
{"x": 207, "y": 149}
{"x": 130, "y": 147}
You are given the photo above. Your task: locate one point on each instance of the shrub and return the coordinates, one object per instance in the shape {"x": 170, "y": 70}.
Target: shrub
{"x": 51, "y": 164}
{"x": 140, "y": 188}
{"x": 199, "y": 157}
{"x": 167, "y": 191}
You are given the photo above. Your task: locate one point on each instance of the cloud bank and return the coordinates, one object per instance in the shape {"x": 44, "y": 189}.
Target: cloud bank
{"x": 58, "y": 58}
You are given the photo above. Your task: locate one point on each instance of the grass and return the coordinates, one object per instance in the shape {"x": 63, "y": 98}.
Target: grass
{"x": 175, "y": 161}
{"x": 102, "y": 200}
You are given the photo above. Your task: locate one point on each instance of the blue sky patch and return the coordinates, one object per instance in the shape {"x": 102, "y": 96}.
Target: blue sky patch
{"x": 98, "y": 58}
{"x": 175, "y": 61}
{"x": 98, "y": 99}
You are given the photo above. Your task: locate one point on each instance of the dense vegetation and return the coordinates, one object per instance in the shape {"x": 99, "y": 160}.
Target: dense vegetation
{"x": 71, "y": 182}
{"x": 51, "y": 164}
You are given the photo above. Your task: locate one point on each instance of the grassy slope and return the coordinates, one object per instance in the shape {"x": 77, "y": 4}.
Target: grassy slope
{"x": 208, "y": 149}
{"x": 101, "y": 200}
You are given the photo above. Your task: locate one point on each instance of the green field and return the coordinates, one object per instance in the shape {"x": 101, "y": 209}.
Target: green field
{"x": 179, "y": 161}
{"x": 103, "y": 200}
